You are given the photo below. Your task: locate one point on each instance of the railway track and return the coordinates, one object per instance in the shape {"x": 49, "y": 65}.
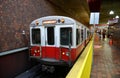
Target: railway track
{"x": 36, "y": 72}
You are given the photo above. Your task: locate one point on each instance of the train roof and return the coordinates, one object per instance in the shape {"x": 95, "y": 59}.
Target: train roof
{"x": 57, "y": 19}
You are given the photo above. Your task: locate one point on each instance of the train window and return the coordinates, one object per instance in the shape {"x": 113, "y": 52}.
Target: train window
{"x": 85, "y": 33}
{"x": 88, "y": 33}
{"x": 50, "y": 35}
{"x": 36, "y": 39}
{"x": 77, "y": 36}
{"x": 66, "y": 36}
{"x": 81, "y": 34}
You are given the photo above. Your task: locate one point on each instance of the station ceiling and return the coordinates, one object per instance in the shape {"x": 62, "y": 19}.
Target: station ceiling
{"x": 81, "y": 9}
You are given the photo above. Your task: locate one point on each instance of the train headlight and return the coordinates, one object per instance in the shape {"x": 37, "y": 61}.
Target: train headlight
{"x": 67, "y": 54}
{"x": 38, "y": 51}
{"x": 33, "y": 54}
{"x": 62, "y": 20}
{"x": 35, "y": 51}
{"x": 63, "y": 53}
{"x": 37, "y": 22}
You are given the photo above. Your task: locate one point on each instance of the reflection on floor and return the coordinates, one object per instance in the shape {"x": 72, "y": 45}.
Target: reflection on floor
{"x": 106, "y": 59}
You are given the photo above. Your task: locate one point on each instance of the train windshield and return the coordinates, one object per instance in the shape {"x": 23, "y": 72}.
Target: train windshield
{"x": 50, "y": 35}
{"x": 66, "y": 36}
{"x": 36, "y": 39}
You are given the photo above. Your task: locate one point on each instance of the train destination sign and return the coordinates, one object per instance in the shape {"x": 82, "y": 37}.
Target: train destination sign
{"x": 49, "y": 22}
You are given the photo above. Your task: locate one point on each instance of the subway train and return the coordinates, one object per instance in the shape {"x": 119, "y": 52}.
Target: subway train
{"x": 57, "y": 40}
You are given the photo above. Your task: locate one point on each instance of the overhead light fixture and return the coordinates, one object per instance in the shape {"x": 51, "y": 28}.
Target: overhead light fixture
{"x": 117, "y": 16}
{"x": 107, "y": 22}
{"x": 111, "y": 12}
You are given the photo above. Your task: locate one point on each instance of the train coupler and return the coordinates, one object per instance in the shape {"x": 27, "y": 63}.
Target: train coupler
{"x": 50, "y": 69}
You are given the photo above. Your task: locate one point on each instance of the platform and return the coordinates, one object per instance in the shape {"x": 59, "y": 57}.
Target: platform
{"x": 106, "y": 59}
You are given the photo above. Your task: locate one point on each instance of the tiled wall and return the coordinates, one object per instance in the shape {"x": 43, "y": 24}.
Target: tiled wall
{"x": 15, "y": 17}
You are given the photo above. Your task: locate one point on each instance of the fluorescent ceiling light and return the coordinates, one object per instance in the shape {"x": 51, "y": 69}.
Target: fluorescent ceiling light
{"x": 111, "y": 12}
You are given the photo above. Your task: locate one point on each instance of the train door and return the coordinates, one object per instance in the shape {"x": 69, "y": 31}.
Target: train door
{"x": 66, "y": 43}
{"x": 35, "y": 40}
{"x": 50, "y": 42}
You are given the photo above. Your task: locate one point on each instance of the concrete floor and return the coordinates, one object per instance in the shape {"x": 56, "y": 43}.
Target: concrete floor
{"x": 106, "y": 59}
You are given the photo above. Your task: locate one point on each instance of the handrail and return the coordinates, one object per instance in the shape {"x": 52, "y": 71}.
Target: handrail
{"x": 13, "y": 51}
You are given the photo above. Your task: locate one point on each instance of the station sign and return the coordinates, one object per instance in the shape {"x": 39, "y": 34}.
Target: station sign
{"x": 94, "y": 17}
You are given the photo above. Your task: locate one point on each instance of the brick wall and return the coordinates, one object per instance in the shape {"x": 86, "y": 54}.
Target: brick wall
{"x": 15, "y": 17}
{"x": 116, "y": 34}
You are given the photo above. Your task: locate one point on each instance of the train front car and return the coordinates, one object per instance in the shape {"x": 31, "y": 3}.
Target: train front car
{"x": 56, "y": 40}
